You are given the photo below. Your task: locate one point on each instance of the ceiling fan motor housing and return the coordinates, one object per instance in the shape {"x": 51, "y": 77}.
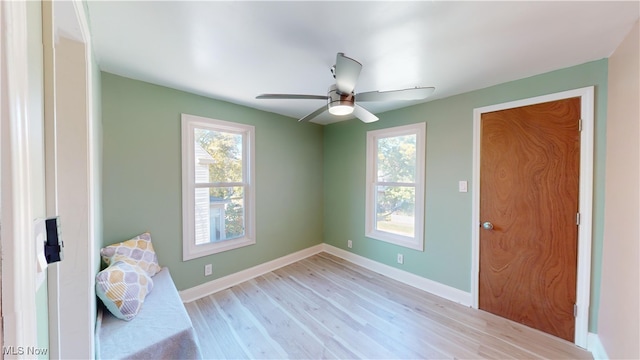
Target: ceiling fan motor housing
{"x": 340, "y": 104}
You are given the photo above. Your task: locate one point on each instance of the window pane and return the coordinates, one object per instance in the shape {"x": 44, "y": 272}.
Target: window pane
{"x": 218, "y": 156}
{"x": 219, "y": 214}
{"x": 202, "y": 216}
{"x": 395, "y": 209}
{"x": 226, "y": 217}
{"x": 396, "y": 160}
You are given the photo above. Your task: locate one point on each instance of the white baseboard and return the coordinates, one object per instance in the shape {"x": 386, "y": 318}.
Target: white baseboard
{"x": 225, "y": 282}
{"x": 595, "y": 346}
{"x": 430, "y": 286}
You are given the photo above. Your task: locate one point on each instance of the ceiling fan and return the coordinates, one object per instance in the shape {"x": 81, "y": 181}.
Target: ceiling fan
{"x": 341, "y": 99}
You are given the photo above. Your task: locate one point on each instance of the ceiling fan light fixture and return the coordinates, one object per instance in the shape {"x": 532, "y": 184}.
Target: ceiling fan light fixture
{"x": 340, "y": 110}
{"x": 340, "y": 104}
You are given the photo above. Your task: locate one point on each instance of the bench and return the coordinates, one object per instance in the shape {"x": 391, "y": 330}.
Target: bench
{"x": 161, "y": 330}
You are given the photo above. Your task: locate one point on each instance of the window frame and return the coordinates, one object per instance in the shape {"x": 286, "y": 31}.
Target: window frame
{"x": 188, "y": 124}
{"x": 417, "y": 241}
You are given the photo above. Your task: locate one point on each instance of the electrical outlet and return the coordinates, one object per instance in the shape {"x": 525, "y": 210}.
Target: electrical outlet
{"x": 349, "y": 244}
{"x": 208, "y": 270}
{"x": 400, "y": 259}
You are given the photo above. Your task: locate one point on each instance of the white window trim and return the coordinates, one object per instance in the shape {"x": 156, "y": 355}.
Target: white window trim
{"x": 189, "y": 248}
{"x": 417, "y": 241}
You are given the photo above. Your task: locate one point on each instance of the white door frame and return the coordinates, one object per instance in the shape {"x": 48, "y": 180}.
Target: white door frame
{"x": 18, "y": 244}
{"x": 585, "y": 200}
{"x": 71, "y": 329}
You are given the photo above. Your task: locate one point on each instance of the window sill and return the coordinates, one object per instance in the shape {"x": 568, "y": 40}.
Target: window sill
{"x": 404, "y": 241}
{"x": 214, "y": 248}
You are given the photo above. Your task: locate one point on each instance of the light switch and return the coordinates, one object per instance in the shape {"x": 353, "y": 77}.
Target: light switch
{"x": 462, "y": 186}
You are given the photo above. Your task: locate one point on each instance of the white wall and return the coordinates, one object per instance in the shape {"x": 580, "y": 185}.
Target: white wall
{"x": 619, "y": 315}
{"x": 73, "y": 202}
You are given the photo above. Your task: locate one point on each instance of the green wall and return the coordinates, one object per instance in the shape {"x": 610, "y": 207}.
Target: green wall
{"x": 142, "y": 177}
{"x": 96, "y": 163}
{"x": 310, "y": 179}
{"x": 447, "y": 255}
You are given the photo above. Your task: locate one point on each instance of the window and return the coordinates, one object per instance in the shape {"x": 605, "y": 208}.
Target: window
{"x": 217, "y": 186}
{"x": 395, "y": 185}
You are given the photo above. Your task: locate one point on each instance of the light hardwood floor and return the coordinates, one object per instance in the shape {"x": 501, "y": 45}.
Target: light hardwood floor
{"x": 327, "y": 307}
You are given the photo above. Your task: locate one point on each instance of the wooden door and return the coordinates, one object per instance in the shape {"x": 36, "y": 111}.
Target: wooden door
{"x": 529, "y": 178}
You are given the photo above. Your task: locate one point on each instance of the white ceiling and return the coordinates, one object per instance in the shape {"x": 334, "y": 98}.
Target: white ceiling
{"x": 235, "y": 50}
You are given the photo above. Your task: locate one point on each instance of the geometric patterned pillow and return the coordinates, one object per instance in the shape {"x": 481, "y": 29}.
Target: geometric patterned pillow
{"x": 137, "y": 251}
{"x": 122, "y": 288}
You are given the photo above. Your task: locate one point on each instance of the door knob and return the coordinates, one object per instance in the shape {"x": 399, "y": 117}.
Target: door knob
{"x": 487, "y": 225}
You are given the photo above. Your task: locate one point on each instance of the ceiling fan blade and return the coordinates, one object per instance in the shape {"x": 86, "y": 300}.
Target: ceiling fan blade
{"x": 315, "y": 113}
{"x": 346, "y": 73}
{"x": 291, "y": 96}
{"x": 417, "y": 93}
{"x": 364, "y": 114}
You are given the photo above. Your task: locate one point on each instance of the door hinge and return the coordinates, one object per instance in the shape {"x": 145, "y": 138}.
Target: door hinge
{"x": 579, "y": 124}
{"x": 577, "y": 218}
{"x": 575, "y": 310}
